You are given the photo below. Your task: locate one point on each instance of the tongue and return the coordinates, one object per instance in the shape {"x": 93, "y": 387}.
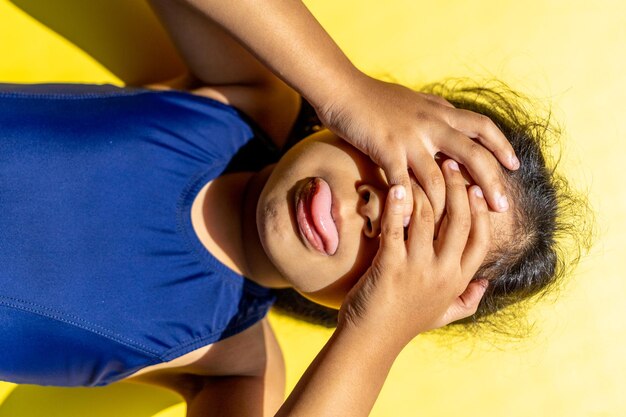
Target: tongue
{"x": 321, "y": 202}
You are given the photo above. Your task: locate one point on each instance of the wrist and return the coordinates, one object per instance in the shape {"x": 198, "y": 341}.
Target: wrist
{"x": 375, "y": 340}
{"x": 336, "y": 87}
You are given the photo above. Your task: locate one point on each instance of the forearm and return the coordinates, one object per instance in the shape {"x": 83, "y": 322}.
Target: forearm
{"x": 344, "y": 379}
{"x": 287, "y": 38}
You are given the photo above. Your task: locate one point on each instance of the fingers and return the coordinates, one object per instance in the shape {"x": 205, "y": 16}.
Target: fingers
{"x": 452, "y": 239}
{"x": 480, "y": 233}
{"x": 392, "y": 228}
{"x": 481, "y": 127}
{"x": 422, "y": 227}
{"x": 397, "y": 173}
{"x": 467, "y": 303}
{"x": 437, "y": 99}
{"x": 481, "y": 165}
{"x": 429, "y": 176}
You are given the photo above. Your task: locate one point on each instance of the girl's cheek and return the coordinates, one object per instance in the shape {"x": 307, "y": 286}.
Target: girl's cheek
{"x": 360, "y": 257}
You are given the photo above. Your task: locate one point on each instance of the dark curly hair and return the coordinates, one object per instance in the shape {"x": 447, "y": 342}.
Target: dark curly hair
{"x": 552, "y": 223}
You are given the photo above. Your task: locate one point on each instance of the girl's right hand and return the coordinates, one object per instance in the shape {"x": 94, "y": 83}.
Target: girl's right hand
{"x": 422, "y": 284}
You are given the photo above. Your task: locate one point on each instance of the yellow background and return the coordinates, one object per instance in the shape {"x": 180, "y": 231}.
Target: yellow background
{"x": 571, "y": 53}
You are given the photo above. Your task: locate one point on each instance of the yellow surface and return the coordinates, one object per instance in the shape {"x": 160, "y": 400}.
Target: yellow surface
{"x": 570, "y": 53}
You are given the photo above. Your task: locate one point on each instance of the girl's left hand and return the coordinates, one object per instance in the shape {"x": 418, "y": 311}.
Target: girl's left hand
{"x": 400, "y": 129}
{"x": 419, "y": 284}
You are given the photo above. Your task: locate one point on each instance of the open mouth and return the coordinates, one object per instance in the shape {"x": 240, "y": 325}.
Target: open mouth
{"x": 314, "y": 216}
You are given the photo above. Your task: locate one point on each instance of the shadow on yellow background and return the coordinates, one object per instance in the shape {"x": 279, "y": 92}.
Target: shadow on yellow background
{"x": 570, "y": 52}
{"x": 119, "y": 400}
{"x": 122, "y": 35}
{"x": 124, "y": 38}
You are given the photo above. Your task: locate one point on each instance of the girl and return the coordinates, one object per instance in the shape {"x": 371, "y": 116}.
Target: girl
{"x": 128, "y": 234}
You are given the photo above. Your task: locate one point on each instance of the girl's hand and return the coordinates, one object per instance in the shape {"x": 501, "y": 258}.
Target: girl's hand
{"x": 422, "y": 284}
{"x": 400, "y": 129}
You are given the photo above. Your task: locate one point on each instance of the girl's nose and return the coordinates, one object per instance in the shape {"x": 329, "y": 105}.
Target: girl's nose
{"x": 370, "y": 207}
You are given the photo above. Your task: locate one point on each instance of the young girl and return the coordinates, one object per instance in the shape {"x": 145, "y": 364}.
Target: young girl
{"x": 128, "y": 232}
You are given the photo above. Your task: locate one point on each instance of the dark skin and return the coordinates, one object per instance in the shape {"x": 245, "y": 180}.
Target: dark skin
{"x": 396, "y": 127}
{"x": 244, "y": 375}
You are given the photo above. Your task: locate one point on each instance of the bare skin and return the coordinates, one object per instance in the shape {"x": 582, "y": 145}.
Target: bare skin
{"x": 249, "y": 365}
{"x": 397, "y": 127}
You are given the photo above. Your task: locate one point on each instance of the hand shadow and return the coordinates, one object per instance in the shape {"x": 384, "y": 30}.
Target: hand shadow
{"x": 119, "y": 400}
{"x": 122, "y": 35}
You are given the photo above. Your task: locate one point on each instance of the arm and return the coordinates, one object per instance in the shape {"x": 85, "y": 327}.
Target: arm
{"x": 340, "y": 382}
{"x": 412, "y": 287}
{"x": 259, "y": 392}
{"x": 222, "y": 69}
{"x": 285, "y": 36}
{"x": 398, "y": 128}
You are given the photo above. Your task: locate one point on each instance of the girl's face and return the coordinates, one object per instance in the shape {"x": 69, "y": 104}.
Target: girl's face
{"x": 318, "y": 216}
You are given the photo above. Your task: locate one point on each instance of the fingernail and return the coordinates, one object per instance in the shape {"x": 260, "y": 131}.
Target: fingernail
{"x": 503, "y": 202}
{"x": 484, "y": 283}
{"x": 478, "y": 192}
{"x": 453, "y": 165}
{"x": 514, "y": 161}
{"x": 406, "y": 221}
{"x": 399, "y": 192}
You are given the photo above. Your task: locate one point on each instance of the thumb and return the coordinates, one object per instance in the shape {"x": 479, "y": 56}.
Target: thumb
{"x": 397, "y": 173}
{"x": 392, "y": 232}
{"x": 466, "y": 304}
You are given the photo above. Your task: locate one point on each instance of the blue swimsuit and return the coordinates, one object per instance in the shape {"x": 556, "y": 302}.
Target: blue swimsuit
{"x": 101, "y": 272}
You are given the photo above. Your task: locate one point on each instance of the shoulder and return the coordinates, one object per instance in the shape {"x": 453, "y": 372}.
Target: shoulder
{"x": 252, "y": 353}
{"x": 272, "y": 105}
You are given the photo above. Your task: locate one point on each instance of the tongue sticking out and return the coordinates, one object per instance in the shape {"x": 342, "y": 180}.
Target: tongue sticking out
{"x": 320, "y": 201}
